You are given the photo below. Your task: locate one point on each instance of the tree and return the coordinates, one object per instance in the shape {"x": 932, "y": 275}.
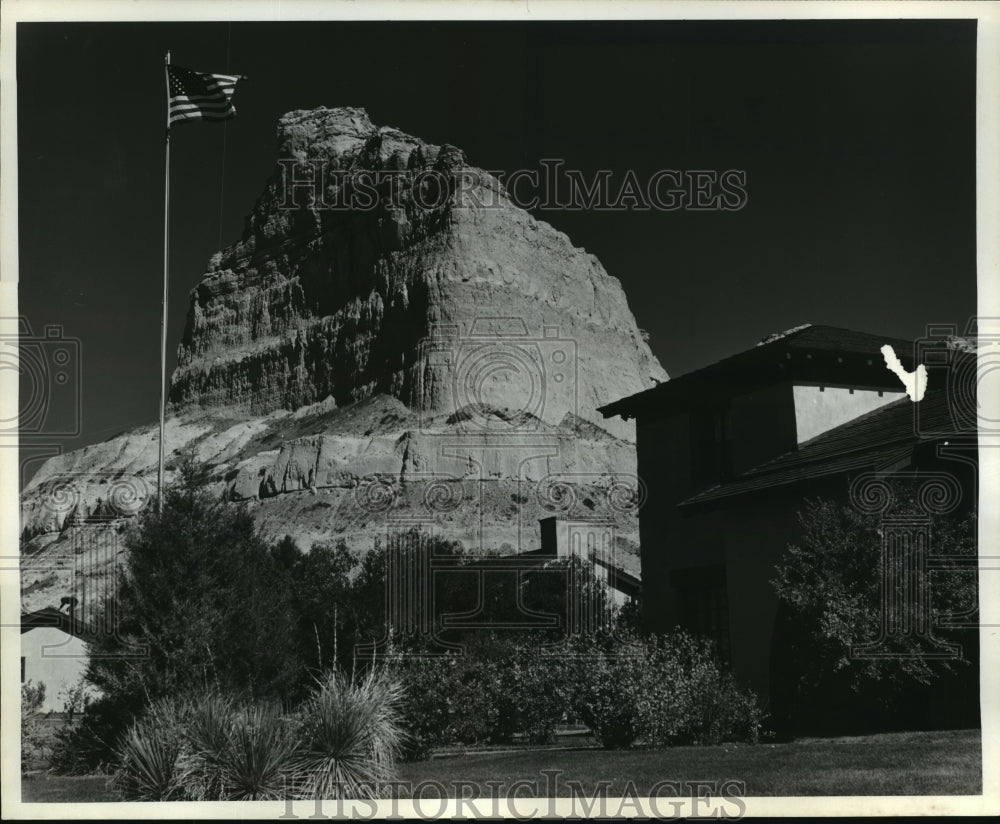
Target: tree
{"x": 33, "y": 741}
{"x": 326, "y": 620}
{"x": 829, "y": 588}
{"x": 202, "y": 603}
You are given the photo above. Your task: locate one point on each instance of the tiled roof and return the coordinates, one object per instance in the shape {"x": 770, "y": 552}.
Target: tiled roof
{"x": 880, "y": 439}
{"x": 812, "y": 353}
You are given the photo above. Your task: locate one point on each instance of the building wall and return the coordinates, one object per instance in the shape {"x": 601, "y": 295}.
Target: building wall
{"x": 735, "y": 543}
{"x": 761, "y": 426}
{"x": 683, "y": 453}
{"x": 55, "y": 658}
{"x": 663, "y": 447}
{"x": 820, "y": 408}
{"x": 687, "y": 551}
{"x": 757, "y": 530}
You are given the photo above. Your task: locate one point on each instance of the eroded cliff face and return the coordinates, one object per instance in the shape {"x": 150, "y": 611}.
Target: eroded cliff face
{"x": 400, "y": 345}
{"x": 321, "y": 300}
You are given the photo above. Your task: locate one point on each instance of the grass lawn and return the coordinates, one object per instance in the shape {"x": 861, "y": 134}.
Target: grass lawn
{"x": 912, "y": 763}
{"x": 72, "y": 788}
{"x": 916, "y": 763}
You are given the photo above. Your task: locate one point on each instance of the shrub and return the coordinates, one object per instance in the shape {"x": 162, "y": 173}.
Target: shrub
{"x": 343, "y": 742}
{"x": 611, "y": 689}
{"x": 258, "y": 755}
{"x": 32, "y": 733}
{"x": 543, "y": 687}
{"x": 89, "y": 744}
{"x": 500, "y": 688}
{"x": 664, "y": 690}
{"x": 829, "y": 586}
{"x": 705, "y": 705}
{"x": 149, "y": 752}
{"x": 350, "y": 737}
{"x": 723, "y": 712}
{"x": 428, "y": 704}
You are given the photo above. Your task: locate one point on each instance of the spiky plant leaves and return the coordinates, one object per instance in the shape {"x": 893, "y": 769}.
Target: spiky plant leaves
{"x": 351, "y": 736}
{"x": 261, "y": 759}
{"x": 148, "y": 755}
{"x": 207, "y": 737}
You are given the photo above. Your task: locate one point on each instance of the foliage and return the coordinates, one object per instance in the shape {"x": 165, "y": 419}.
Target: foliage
{"x": 33, "y": 744}
{"x": 326, "y": 619}
{"x": 76, "y": 699}
{"x": 252, "y": 758}
{"x": 149, "y": 752}
{"x": 252, "y": 624}
{"x": 829, "y": 586}
{"x": 350, "y": 736}
{"x": 202, "y": 605}
{"x": 88, "y": 744}
{"x": 662, "y": 690}
{"x": 343, "y": 741}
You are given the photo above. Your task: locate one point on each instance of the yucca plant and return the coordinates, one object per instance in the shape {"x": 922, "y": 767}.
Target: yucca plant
{"x": 350, "y": 737}
{"x": 148, "y": 755}
{"x": 207, "y": 736}
{"x": 261, "y": 759}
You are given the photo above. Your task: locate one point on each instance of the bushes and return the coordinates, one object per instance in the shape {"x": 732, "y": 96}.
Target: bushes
{"x": 829, "y": 585}
{"x": 662, "y": 690}
{"x": 697, "y": 702}
{"x": 344, "y": 741}
{"x": 32, "y": 734}
{"x": 499, "y": 689}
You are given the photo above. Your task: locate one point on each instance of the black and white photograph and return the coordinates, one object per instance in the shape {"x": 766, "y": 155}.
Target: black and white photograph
{"x": 523, "y": 410}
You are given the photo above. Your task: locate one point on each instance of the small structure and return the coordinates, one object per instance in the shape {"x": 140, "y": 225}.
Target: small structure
{"x": 53, "y": 652}
{"x": 594, "y": 542}
{"x": 414, "y": 571}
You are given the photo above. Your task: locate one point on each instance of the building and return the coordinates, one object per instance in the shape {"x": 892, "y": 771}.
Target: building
{"x": 728, "y": 454}
{"x": 54, "y": 653}
{"x": 440, "y": 596}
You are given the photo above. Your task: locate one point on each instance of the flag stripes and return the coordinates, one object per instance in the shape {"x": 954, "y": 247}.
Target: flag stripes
{"x": 198, "y": 96}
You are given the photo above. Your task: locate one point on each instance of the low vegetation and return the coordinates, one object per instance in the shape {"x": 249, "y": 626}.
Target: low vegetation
{"x": 655, "y": 691}
{"x": 271, "y": 672}
{"x": 913, "y": 763}
{"x": 829, "y": 584}
{"x": 343, "y": 742}
{"x": 33, "y": 740}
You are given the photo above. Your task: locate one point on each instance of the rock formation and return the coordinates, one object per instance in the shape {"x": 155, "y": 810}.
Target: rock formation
{"x": 391, "y": 343}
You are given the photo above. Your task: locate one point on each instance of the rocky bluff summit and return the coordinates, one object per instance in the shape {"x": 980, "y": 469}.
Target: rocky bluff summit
{"x": 348, "y": 371}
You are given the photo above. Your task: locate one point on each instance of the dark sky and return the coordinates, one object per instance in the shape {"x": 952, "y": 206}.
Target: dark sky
{"x": 857, "y": 138}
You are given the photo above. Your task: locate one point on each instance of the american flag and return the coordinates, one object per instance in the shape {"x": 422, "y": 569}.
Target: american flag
{"x": 194, "y": 95}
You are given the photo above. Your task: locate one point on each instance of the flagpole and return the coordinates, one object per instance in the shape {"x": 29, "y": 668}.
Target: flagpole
{"x": 166, "y": 280}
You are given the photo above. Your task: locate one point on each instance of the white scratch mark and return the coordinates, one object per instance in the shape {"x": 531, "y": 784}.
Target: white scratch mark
{"x": 915, "y": 383}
